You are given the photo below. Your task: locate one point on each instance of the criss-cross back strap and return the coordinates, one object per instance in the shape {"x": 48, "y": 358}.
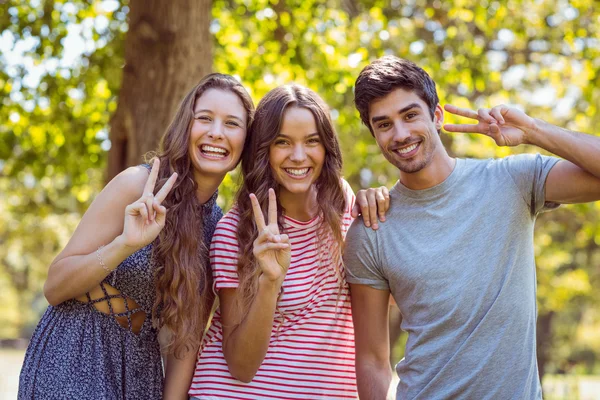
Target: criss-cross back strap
{"x": 108, "y": 297}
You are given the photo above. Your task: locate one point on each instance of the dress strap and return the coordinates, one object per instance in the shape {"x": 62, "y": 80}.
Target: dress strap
{"x": 108, "y": 297}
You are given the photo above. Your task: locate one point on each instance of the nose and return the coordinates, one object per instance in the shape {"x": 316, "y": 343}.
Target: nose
{"x": 401, "y": 132}
{"x": 216, "y": 130}
{"x": 298, "y": 153}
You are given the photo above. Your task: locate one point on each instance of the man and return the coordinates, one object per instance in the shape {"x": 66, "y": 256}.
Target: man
{"x": 456, "y": 250}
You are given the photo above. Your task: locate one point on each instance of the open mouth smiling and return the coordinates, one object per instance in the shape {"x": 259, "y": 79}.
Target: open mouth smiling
{"x": 213, "y": 152}
{"x": 297, "y": 173}
{"x": 407, "y": 151}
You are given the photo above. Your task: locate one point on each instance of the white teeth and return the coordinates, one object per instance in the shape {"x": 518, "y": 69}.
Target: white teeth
{"x": 296, "y": 172}
{"x": 407, "y": 149}
{"x": 210, "y": 149}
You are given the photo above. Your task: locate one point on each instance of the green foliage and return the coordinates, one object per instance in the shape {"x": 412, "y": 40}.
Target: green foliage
{"x": 55, "y": 109}
{"x": 543, "y": 55}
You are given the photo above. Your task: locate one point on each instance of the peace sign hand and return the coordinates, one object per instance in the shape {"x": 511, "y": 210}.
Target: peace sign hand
{"x": 145, "y": 218}
{"x": 508, "y": 126}
{"x": 271, "y": 249}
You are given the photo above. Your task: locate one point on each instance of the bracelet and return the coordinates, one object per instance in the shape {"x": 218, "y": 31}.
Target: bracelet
{"x": 101, "y": 261}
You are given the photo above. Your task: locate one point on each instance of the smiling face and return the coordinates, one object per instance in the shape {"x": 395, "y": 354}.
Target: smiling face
{"x": 218, "y": 133}
{"x": 404, "y": 130}
{"x": 297, "y": 154}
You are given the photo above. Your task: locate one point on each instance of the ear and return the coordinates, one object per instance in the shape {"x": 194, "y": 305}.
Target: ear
{"x": 438, "y": 117}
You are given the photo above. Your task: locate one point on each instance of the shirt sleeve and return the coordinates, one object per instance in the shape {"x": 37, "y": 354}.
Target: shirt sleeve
{"x": 529, "y": 173}
{"x": 361, "y": 257}
{"x": 224, "y": 253}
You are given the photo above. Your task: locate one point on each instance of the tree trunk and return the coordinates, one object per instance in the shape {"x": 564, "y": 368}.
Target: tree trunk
{"x": 167, "y": 50}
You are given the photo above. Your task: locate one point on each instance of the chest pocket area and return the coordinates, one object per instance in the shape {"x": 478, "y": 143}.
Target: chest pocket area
{"x": 110, "y": 301}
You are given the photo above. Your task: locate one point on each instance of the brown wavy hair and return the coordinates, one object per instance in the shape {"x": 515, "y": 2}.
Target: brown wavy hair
{"x": 258, "y": 178}
{"x": 183, "y": 277}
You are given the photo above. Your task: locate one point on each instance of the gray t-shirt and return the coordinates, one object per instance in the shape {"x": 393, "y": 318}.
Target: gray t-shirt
{"x": 458, "y": 259}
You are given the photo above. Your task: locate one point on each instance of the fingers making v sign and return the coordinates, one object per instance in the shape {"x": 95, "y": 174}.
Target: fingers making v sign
{"x": 508, "y": 126}
{"x": 145, "y": 218}
{"x": 271, "y": 249}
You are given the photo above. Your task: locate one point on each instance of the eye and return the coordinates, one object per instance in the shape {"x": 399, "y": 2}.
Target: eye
{"x": 203, "y": 117}
{"x": 280, "y": 142}
{"x": 411, "y": 115}
{"x": 314, "y": 140}
{"x": 383, "y": 125}
{"x": 233, "y": 123}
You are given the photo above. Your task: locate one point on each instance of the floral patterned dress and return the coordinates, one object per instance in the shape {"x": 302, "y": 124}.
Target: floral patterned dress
{"x": 78, "y": 352}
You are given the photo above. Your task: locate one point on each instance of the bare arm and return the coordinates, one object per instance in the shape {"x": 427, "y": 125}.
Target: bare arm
{"x": 573, "y": 180}
{"x": 246, "y": 337}
{"x": 370, "y": 314}
{"x": 576, "y": 180}
{"x": 178, "y": 375}
{"x": 77, "y": 269}
{"x": 101, "y": 225}
{"x": 245, "y": 344}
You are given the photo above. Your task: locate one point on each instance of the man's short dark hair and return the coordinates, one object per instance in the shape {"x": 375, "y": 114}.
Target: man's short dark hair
{"x": 387, "y": 74}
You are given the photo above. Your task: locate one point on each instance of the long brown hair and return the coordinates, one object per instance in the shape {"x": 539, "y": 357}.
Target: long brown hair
{"x": 258, "y": 178}
{"x": 183, "y": 275}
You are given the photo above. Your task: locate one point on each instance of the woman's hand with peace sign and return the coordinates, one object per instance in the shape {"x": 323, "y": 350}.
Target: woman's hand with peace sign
{"x": 145, "y": 218}
{"x": 271, "y": 249}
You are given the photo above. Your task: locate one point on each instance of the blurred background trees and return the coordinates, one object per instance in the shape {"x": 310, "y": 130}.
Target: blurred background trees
{"x": 88, "y": 86}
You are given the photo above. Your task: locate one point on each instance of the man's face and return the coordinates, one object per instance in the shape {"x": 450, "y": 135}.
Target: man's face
{"x": 404, "y": 131}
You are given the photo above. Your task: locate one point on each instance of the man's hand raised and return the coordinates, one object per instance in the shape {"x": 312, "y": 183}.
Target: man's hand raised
{"x": 508, "y": 126}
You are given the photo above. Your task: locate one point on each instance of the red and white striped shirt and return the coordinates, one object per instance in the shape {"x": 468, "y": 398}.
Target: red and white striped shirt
{"x": 312, "y": 354}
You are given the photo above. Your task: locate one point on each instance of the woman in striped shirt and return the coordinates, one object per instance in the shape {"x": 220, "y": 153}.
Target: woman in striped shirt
{"x": 284, "y": 327}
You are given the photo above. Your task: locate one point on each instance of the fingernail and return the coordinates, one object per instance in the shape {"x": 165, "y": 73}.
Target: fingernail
{"x": 367, "y": 223}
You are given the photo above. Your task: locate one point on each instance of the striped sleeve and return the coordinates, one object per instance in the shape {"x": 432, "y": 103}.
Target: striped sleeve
{"x": 224, "y": 252}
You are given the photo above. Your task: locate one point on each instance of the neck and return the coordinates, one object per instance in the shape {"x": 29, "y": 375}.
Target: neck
{"x": 299, "y": 206}
{"x": 436, "y": 172}
{"x": 207, "y": 185}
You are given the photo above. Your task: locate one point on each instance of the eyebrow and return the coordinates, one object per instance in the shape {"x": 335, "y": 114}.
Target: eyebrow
{"x": 401, "y": 111}
{"x": 288, "y": 137}
{"x": 210, "y": 111}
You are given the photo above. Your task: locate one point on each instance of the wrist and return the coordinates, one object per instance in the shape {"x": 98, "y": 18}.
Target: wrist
{"x": 533, "y": 131}
{"x": 268, "y": 286}
{"x": 122, "y": 247}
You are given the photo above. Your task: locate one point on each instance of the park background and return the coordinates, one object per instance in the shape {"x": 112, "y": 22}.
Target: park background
{"x": 88, "y": 86}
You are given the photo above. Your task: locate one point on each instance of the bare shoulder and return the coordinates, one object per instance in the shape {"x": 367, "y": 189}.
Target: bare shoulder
{"x": 103, "y": 220}
{"x": 129, "y": 183}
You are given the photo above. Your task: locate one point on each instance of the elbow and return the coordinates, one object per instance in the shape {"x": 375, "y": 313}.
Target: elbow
{"x": 240, "y": 369}
{"x": 245, "y": 378}
{"x": 51, "y": 295}
{"x": 242, "y": 373}
{"x": 50, "y": 298}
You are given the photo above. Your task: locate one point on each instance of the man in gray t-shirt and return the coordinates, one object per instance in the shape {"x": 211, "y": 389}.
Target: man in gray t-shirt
{"x": 456, "y": 250}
